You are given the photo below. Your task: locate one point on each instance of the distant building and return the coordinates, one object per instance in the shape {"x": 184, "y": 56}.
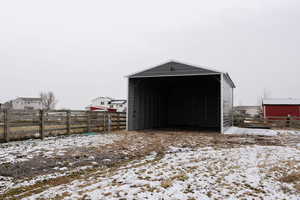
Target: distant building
{"x": 248, "y": 110}
{"x": 281, "y": 107}
{"x": 119, "y": 105}
{"x": 24, "y": 103}
{"x": 107, "y": 104}
{"x": 101, "y": 101}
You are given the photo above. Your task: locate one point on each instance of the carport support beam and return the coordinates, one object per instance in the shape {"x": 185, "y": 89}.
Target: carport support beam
{"x": 222, "y": 103}
{"x": 88, "y": 115}
{"x": 68, "y": 122}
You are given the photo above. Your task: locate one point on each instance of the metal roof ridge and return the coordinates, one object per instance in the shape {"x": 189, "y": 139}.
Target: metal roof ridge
{"x": 172, "y": 60}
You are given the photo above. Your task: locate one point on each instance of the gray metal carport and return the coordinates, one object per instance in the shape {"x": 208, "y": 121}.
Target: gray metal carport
{"x": 177, "y": 95}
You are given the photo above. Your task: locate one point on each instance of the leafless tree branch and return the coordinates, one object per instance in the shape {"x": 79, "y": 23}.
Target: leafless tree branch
{"x": 48, "y": 100}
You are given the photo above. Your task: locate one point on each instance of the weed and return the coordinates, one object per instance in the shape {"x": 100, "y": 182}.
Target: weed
{"x": 292, "y": 178}
{"x": 166, "y": 183}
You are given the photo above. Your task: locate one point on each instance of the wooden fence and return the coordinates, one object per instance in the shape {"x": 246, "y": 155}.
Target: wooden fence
{"x": 268, "y": 122}
{"x": 20, "y": 124}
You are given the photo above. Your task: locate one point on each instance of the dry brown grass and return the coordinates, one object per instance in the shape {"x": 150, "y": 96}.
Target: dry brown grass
{"x": 166, "y": 183}
{"x": 169, "y": 182}
{"x": 291, "y": 178}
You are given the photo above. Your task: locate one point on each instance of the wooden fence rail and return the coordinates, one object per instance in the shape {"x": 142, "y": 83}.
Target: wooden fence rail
{"x": 20, "y": 124}
{"x": 276, "y": 122}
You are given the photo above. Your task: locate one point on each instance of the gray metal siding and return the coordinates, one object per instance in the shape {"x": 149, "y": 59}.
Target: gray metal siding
{"x": 227, "y": 103}
{"x": 146, "y": 105}
{"x": 173, "y": 68}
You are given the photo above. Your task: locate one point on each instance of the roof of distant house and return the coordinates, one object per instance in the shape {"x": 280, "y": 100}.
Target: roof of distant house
{"x": 109, "y": 98}
{"x": 246, "y": 107}
{"x": 25, "y": 99}
{"x": 30, "y": 98}
{"x": 288, "y": 101}
{"x": 118, "y": 101}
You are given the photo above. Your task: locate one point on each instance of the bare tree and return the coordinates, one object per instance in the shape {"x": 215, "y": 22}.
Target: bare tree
{"x": 48, "y": 100}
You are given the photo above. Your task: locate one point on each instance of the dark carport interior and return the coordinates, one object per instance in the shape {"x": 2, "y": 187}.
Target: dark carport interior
{"x": 175, "y": 102}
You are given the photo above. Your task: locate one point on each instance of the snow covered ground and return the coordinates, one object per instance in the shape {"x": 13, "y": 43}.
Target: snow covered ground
{"x": 187, "y": 166}
{"x": 52, "y": 146}
{"x": 186, "y": 174}
{"x": 263, "y": 132}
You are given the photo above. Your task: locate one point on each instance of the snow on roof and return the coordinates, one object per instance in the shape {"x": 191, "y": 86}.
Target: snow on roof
{"x": 289, "y": 101}
{"x": 25, "y": 99}
{"x": 118, "y": 101}
{"x": 108, "y": 98}
{"x": 246, "y": 107}
{"x": 30, "y": 98}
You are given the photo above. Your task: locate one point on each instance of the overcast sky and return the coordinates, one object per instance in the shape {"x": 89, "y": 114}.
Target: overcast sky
{"x": 83, "y": 49}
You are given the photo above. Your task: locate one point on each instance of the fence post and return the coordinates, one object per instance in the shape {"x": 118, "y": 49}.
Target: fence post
{"x": 109, "y": 122}
{"x": 6, "y": 126}
{"x": 104, "y": 121}
{"x": 88, "y": 121}
{"x": 118, "y": 119}
{"x": 42, "y": 124}
{"x": 292, "y": 122}
{"x": 288, "y": 121}
{"x": 68, "y": 122}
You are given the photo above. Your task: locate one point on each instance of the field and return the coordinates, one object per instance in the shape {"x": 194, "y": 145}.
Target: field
{"x": 153, "y": 165}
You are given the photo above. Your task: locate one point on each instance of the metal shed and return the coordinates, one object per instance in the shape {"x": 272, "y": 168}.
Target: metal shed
{"x": 178, "y": 95}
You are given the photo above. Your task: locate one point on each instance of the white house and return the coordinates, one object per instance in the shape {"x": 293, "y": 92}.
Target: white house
{"x": 119, "y": 105}
{"x": 248, "y": 110}
{"x": 24, "y": 103}
{"x": 108, "y": 104}
{"x": 101, "y": 101}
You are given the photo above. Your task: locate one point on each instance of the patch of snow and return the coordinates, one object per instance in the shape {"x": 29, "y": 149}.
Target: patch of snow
{"x": 251, "y": 131}
{"x": 205, "y": 173}
{"x": 289, "y": 132}
{"x": 261, "y": 132}
{"x": 10, "y": 183}
{"x": 52, "y": 146}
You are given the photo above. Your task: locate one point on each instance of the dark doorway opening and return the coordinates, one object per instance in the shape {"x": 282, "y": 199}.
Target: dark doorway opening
{"x": 176, "y": 102}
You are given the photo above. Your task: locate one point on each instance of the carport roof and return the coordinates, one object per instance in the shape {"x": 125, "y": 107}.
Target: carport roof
{"x": 174, "y": 68}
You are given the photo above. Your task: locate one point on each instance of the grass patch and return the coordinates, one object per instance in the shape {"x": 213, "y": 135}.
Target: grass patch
{"x": 166, "y": 183}
{"x": 291, "y": 178}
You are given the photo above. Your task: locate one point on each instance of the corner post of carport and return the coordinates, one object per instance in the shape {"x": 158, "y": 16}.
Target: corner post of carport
{"x": 222, "y": 102}
{"x": 127, "y": 109}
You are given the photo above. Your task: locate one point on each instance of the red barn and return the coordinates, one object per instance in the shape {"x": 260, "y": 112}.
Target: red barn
{"x": 281, "y": 107}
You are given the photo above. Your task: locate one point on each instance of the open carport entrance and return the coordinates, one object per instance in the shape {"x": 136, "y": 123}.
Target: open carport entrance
{"x": 175, "y": 102}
